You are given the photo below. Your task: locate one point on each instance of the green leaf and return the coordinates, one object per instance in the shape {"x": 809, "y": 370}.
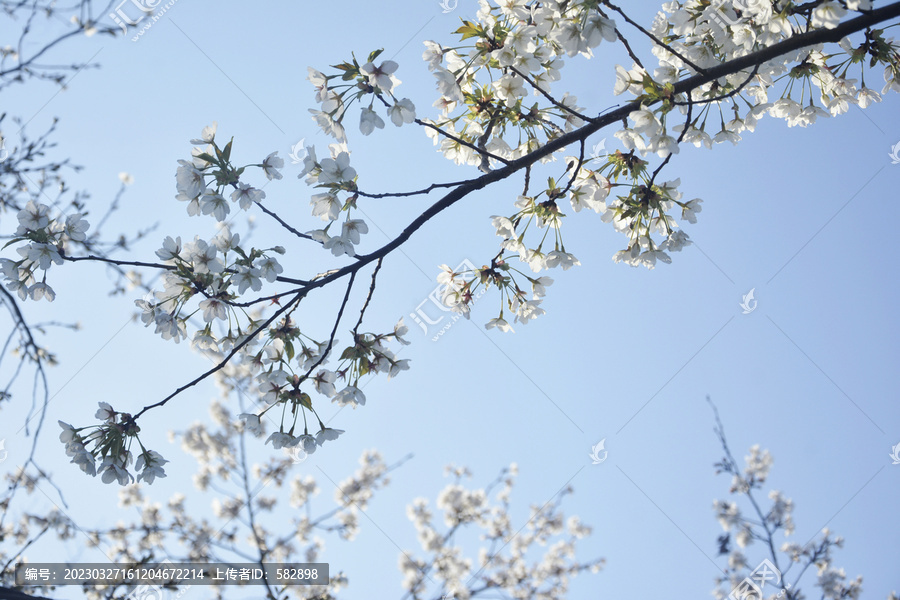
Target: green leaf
{"x": 374, "y": 54}
{"x": 469, "y": 30}
{"x": 226, "y": 153}
{"x": 289, "y": 350}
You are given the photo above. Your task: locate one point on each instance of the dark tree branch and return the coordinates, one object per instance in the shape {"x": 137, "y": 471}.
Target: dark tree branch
{"x": 428, "y": 190}
{"x": 513, "y": 166}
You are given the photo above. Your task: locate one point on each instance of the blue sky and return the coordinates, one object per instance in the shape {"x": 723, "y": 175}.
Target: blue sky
{"x": 802, "y": 216}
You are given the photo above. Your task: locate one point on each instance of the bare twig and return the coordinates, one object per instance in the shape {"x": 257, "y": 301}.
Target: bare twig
{"x": 555, "y": 102}
{"x": 362, "y": 311}
{"x": 221, "y": 364}
{"x": 655, "y": 39}
{"x": 462, "y": 141}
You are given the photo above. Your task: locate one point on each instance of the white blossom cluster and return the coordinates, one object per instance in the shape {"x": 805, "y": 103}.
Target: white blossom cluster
{"x": 505, "y": 562}
{"x": 210, "y": 279}
{"x": 208, "y": 197}
{"x": 220, "y": 270}
{"x": 638, "y": 216}
{"x": 459, "y": 290}
{"x": 246, "y": 521}
{"x": 799, "y": 87}
{"x": 112, "y": 443}
{"x": 243, "y": 499}
{"x": 762, "y": 526}
{"x": 335, "y": 94}
{"x": 520, "y": 44}
{"x": 483, "y": 91}
{"x": 278, "y": 380}
{"x": 521, "y": 39}
{"x": 337, "y": 178}
{"x": 357, "y": 84}
{"x": 44, "y": 242}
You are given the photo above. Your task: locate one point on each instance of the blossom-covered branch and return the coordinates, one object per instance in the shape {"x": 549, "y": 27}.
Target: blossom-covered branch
{"x": 709, "y": 62}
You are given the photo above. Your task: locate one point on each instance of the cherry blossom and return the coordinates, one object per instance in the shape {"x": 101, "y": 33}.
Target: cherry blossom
{"x": 382, "y": 75}
{"x": 271, "y": 164}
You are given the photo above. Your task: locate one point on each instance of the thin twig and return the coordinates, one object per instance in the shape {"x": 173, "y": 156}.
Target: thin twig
{"x": 555, "y": 102}
{"x": 462, "y": 141}
{"x": 429, "y": 189}
{"x": 282, "y": 222}
{"x": 221, "y": 364}
{"x": 334, "y": 329}
{"x": 655, "y": 39}
{"x": 730, "y": 94}
{"x": 362, "y": 311}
